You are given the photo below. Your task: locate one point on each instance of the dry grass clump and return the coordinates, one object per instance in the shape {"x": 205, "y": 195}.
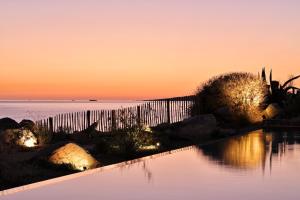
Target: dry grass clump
{"x": 241, "y": 94}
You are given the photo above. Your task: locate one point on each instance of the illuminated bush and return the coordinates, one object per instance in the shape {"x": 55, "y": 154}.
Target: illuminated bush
{"x": 242, "y": 95}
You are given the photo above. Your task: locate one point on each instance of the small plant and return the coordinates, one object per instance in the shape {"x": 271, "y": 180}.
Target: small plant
{"x": 133, "y": 136}
{"x": 133, "y": 139}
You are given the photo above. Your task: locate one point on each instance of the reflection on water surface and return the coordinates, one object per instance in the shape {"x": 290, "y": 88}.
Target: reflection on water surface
{"x": 247, "y": 151}
{"x": 251, "y": 151}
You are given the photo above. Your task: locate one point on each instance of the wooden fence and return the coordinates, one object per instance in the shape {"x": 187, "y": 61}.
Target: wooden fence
{"x": 150, "y": 113}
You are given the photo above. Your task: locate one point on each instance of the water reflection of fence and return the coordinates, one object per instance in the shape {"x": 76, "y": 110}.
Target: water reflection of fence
{"x": 150, "y": 113}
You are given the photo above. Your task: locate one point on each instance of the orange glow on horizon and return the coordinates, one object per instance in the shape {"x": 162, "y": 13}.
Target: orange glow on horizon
{"x": 70, "y": 50}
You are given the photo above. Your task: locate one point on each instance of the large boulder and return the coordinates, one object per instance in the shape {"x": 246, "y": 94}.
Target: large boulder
{"x": 8, "y": 123}
{"x": 272, "y": 111}
{"x": 30, "y": 125}
{"x": 20, "y": 137}
{"x": 73, "y": 156}
{"x": 224, "y": 114}
{"x": 166, "y": 127}
{"x": 207, "y": 120}
{"x": 201, "y": 126}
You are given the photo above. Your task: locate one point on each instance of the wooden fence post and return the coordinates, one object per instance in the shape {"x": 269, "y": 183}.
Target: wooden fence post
{"x": 88, "y": 118}
{"x": 139, "y": 116}
{"x": 113, "y": 120}
{"x": 51, "y": 124}
{"x": 168, "y": 111}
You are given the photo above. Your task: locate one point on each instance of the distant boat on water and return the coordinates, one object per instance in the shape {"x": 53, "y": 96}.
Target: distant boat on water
{"x": 93, "y": 100}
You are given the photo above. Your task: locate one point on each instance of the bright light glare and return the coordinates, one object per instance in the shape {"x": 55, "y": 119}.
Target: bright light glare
{"x": 30, "y": 142}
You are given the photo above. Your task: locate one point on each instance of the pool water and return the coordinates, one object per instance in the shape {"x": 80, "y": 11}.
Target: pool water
{"x": 257, "y": 165}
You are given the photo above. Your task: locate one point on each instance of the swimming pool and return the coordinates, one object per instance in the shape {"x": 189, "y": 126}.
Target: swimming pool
{"x": 256, "y": 165}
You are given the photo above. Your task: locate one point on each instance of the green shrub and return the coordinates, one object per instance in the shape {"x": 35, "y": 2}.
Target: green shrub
{"x": 133, "y": 136}
{"x": 131, "y": 140}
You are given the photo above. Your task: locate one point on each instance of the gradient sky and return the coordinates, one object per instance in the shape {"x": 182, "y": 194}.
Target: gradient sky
{"x": 122, "y": 49}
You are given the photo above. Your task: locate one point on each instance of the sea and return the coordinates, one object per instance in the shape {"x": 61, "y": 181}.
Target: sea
{"x": 41, "y": 109}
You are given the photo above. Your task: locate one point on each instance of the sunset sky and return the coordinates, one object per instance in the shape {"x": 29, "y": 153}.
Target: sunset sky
{"x": 135, "y": 49}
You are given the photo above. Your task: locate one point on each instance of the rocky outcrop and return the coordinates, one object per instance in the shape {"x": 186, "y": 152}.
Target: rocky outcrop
{"x": 224, "y": 114}
{"x": 272, "y": 111}
{"x": 24, "y": 133}
{"x": 8, "y": 123}
{"x": 73, "y": 156}
{"x": 30, "y": 125}
{"x": 197, "y": 127}
{"x": 19, "y": 137}
{"x": 207, "y": 120}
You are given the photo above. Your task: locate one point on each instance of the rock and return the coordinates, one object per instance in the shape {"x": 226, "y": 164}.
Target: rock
{"x": 224, "y": 114}
{"x": 30, "y": 125}
{"x": 20, "y": 137}
{"x": 272, "y": 111}
{"x": 227, "y": 131}
{"x": 201, "y": 126}
{"x": 162, "y": 127}
{"x": 7, "y": 123}
{"x": 74, "y": 156}
{"x": 208, "y": 119}
{"x": 166, "y": 127}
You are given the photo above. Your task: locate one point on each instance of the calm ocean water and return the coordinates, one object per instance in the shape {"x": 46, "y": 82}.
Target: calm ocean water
{"x": 36, "y": 110}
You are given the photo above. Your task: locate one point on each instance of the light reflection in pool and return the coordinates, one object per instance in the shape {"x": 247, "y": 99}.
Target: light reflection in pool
{"x": 244, "y": 152}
